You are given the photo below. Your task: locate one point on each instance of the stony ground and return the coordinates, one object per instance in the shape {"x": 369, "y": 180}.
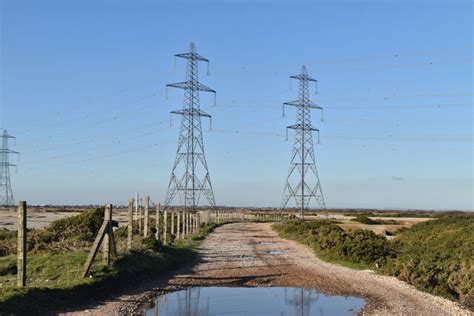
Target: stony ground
{"x": 238, "y": 255}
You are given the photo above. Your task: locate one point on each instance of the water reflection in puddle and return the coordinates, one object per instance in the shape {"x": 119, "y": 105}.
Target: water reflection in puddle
{"x": 206, "y": 301}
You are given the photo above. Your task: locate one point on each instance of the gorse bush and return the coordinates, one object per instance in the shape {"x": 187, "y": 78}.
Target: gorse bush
{"x": 8, "y": 242}
{"x": 72, "y": 233}
{"x": 369, "y": 221}
{"x": 328, "y": 239}
{"x": 364, "y": 220}
{"x": 436, "y": 256}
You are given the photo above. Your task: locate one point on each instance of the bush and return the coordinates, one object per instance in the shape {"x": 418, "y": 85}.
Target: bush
{"x": 368, "y": 221}
{"x": 364, "y": 220}
{"x": 71, "y": 233}
{"x": 151, "y": 243}
{"x": 436, "y": 256}
{"x": 8, "y": 242}
{"x": 328, "y": 239}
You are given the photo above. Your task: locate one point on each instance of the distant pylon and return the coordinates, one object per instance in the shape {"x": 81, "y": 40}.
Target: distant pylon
{"x": 190, "y": 160}
{"x": 303, "y": 182}
{"x": 6, "y": 193}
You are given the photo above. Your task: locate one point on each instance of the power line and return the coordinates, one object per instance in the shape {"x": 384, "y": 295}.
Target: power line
{"x": 99, "y": 147}
{"x": 96, "y": 123}
{"x": 94, "y": 158}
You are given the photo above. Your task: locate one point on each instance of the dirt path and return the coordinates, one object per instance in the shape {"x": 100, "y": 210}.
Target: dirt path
{"x": 239, "y": 255}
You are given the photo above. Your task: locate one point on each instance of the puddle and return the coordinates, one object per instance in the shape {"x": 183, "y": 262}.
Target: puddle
{"x": 266, "y": 243}
{"x": 276, "y": 252}
{"x": 206, "y": 301}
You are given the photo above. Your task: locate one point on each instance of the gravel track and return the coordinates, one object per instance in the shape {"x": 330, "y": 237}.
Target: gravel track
{"x": 238, "y": 255}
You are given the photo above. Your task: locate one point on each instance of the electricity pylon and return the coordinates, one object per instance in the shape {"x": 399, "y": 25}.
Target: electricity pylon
{"x": 303, "y": 170}
{"x": 6, "y": 193}
{"x": 190, "y": 160}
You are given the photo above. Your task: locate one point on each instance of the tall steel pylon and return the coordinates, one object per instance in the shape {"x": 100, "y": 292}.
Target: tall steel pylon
{"x": 303, "y": 181}
{"x": 6, "y": 193}
{"x": 190, "y": 160}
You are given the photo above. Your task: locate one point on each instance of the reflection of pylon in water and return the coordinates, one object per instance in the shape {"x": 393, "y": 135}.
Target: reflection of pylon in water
{"x": 301, "y": 299}
{"x": 188, "y": 302}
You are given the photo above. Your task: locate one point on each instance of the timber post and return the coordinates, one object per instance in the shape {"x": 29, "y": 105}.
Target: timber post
{"x": 105, "y": 235}
{"x": 21, "y": 253}
{"x": 157, "y": 222}
{"x": 147, "y": 210}
{"x": 107, "y": 238}
{"x": 165, "y": 229}
{"x": 130, "y": 224}
{"x": 178, "y": 225}
{"x": 172, "y": 223}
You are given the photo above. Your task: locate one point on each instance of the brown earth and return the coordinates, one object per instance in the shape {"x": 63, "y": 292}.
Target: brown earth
{"x": 238, "y": 255}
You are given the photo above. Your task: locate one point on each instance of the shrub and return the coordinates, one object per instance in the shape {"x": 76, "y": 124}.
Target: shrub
{"x": 364, "y": 220}
{"x": 436, "y": 256}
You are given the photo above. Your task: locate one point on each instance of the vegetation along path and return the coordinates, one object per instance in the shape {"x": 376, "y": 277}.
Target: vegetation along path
{"x": 238, "y": 254}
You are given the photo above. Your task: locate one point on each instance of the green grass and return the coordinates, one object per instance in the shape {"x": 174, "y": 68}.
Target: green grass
{"x": 342, "y": 262}
{"x": 54, "y": 273}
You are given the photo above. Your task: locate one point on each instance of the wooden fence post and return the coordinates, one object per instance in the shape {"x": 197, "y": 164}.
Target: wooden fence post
{"x": 172, "y": 223}
{"x": 165, "y": 230}
{"x": 188, "y": 223}
{"x": 145, "y": 223}
{"x": 139, "y": 215}
{"x": 185, "y": 226}
{"x": 130, "y": 224}
{"x": 107, "y": 237}
{"x": 21, "y": 253}
{"x": 157, "y": 222}
{"x": 178, "y": 225}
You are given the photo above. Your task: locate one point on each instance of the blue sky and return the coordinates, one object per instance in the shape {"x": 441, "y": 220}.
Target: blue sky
{"x": 82, "y": 88}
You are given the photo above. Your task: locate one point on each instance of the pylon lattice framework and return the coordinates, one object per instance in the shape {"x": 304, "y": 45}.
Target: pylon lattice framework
{"x": 190, "y": 159}
{"x": 6, "y": 193}
{"x": 303, "y": 171}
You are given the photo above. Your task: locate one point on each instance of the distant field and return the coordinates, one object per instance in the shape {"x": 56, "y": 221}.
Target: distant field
{"x": 40, "y": 217}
